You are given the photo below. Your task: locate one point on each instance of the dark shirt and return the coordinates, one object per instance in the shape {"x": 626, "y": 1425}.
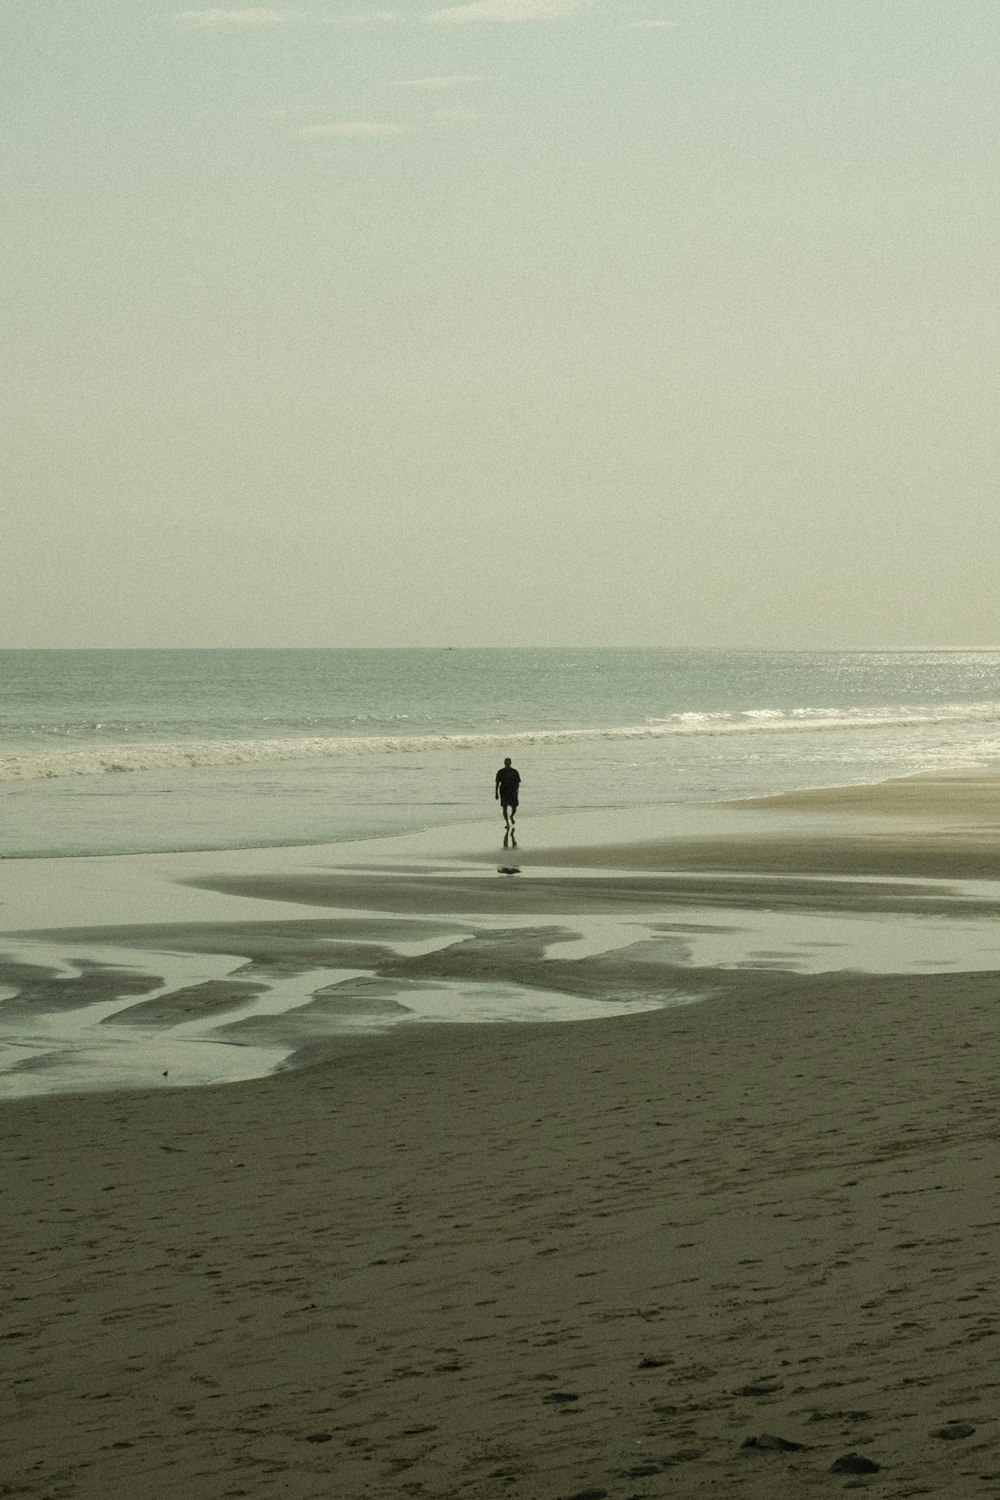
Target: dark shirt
{"x": 508, "y": 781}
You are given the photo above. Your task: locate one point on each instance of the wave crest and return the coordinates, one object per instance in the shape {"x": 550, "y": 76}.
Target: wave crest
{"x": 183, "y": 754}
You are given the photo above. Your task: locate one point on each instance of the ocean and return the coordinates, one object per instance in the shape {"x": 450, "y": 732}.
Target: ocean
{"x": 110, "y": 752}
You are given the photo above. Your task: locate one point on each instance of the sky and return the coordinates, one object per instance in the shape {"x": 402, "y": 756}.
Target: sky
{"x": 525, "y": 322}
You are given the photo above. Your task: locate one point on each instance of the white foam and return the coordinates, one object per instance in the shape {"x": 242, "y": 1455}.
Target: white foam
{"x": 100, "y": 760}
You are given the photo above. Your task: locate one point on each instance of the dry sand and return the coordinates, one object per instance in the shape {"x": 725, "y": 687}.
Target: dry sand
{"x": 548, "y": 1261}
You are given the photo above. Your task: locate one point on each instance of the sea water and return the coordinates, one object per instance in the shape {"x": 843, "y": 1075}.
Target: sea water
{"x": 129, "y": 751}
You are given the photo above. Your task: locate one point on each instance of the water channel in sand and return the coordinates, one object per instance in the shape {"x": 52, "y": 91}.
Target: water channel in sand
{"x": 49, "y": 1044}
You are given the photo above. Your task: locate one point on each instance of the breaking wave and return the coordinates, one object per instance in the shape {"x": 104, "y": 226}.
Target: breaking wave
{"x": 170, "y": 755}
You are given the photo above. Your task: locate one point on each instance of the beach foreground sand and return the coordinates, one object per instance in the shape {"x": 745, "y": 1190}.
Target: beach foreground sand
{"x": 632, "y": 1257}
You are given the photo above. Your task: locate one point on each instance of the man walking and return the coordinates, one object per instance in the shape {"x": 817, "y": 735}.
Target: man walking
{"x": 507, "y": 782}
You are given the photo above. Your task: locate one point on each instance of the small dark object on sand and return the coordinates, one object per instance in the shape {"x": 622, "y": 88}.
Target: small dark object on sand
{"x": 771, "y": 1443}
{"x": 953, "y": 1430}
{"x": 854, "y": 1463}
{"x": 508, "y": 870}
{"x": 651, "y": 1364}
{"x": 557, "y": 1397}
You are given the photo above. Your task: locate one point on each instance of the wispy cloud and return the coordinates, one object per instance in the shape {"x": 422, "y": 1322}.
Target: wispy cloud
{"x": 217, "y": 19}
{"x": 504, "y": 11}
{"x": 366, "y": 18}
{"x": 438, "y": 83}
{"x": 352, "y": 130}
{"x": 455, "y": 116}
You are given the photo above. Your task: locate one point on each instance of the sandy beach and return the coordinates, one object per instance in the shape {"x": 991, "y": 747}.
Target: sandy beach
{"x": 736, "y": 1238}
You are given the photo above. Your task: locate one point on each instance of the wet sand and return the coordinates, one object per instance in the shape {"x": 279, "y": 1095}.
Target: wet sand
{"x": 923, "y": 827}
{"x": 544, "y": 1261}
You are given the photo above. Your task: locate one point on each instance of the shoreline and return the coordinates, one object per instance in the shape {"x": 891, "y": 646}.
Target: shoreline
{"x": 545, "y": 1260}
{"x": 176, "y": 970}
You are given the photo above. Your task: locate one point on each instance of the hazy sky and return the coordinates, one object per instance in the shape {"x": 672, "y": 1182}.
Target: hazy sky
{"x": 667, "y": 322}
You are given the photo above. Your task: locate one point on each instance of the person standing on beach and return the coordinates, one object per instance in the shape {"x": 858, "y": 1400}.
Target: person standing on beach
{"x": 507, "y": 783}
